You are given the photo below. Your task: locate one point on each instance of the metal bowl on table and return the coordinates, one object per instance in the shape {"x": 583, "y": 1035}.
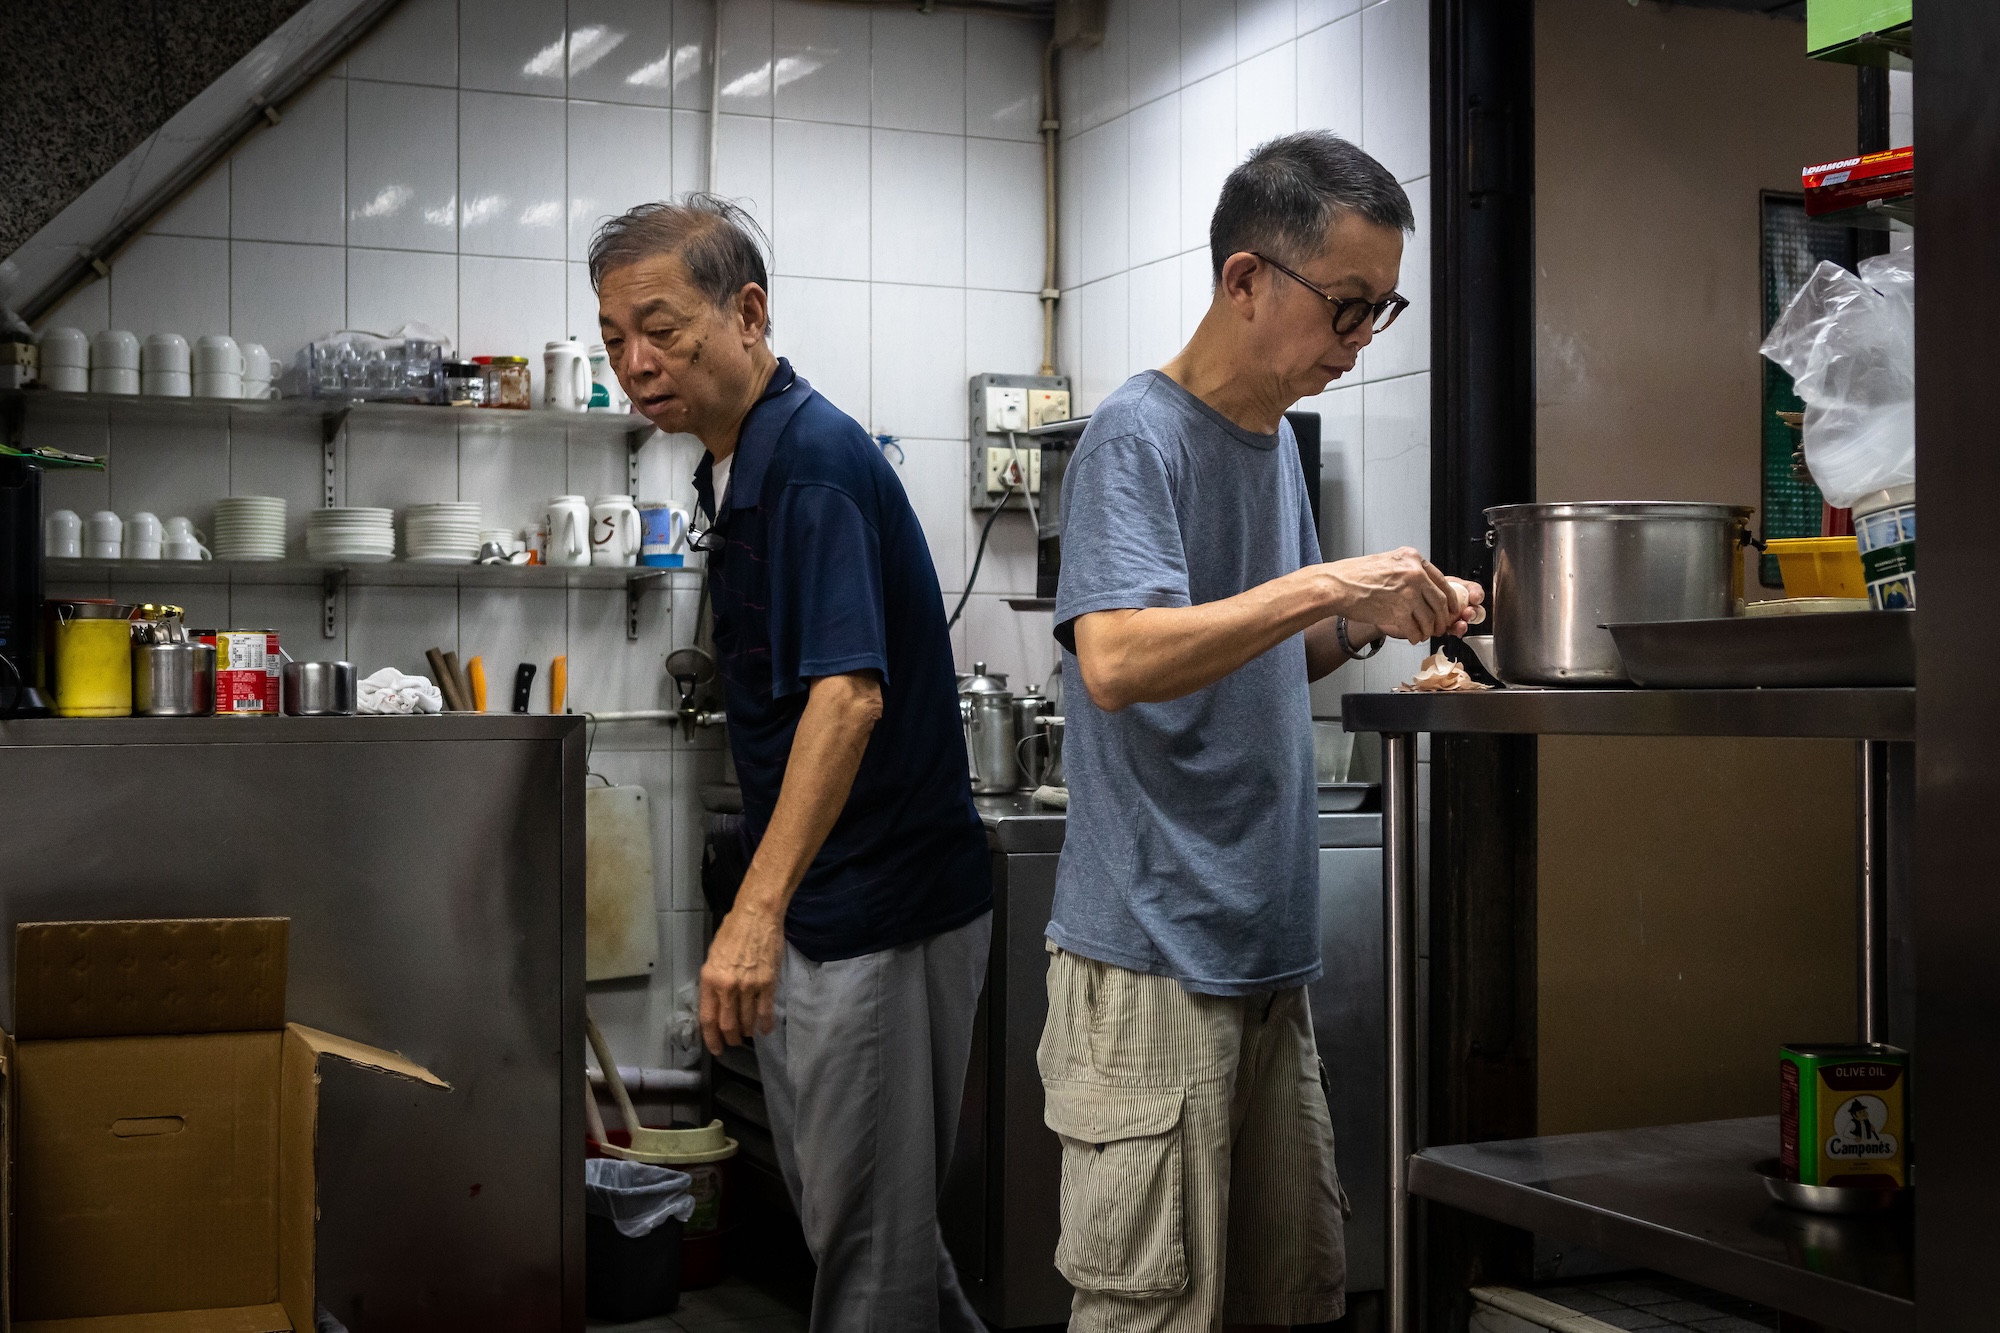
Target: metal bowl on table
{"x": 1566, "y": 570}
{"x": 320, "y": 689}
{"x": 1835, "y": 1200}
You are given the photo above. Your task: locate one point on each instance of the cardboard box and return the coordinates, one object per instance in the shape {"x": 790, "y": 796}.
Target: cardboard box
{"x": 1834, "y": 187}
{"x": 161, "y": 1122}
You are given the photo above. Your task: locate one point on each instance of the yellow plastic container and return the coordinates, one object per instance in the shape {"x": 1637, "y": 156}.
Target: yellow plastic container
{"x": 93, "y": 666}
{"x": 1819, "y": 566}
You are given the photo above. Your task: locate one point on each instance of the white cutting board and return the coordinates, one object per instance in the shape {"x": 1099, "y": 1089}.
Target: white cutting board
{"x": 621, "y": 936}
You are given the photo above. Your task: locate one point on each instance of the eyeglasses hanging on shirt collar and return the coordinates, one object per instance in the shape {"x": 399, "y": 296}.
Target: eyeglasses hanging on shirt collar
{"x": 1349, "y": 312}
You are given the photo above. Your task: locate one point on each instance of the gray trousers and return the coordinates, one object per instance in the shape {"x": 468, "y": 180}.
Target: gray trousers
{"x": 862, "y": 1078}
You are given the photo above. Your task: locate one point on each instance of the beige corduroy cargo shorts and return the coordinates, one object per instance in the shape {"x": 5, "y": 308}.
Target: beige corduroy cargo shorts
{"x": 1198, "y": 1180}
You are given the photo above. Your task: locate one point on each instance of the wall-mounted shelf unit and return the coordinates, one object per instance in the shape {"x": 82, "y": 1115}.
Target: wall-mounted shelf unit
{"x": 333, "y": 577}
{"x": 633, "y": 430}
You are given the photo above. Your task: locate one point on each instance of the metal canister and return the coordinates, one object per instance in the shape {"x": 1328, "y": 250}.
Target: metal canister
{"x": 91, "y": 650}
{"x": 247, "y": 663}
{"x": 320, "y": 689}
{"x": 1030, "y": 745}
{"x": 986, "y": 707}
{"x": 173, "y": 679}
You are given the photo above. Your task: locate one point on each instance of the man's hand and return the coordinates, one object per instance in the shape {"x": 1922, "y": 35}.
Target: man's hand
{"x": 1404, "y": 594}
{"x": 739, "y": 982}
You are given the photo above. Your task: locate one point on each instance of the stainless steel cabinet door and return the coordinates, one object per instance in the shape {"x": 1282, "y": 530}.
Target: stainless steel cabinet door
{"x": 1348, "y": 1019}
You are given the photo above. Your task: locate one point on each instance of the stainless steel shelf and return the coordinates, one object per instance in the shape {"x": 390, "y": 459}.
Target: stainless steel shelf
{"x": 314, "y": 573}
{"x": 1860, "y": 714}
{"x": 1685, "y": 1200}
{"x": 620, "y": 426}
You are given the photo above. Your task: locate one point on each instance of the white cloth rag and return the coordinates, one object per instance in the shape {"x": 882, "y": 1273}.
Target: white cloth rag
{"x": 390, "y": 691}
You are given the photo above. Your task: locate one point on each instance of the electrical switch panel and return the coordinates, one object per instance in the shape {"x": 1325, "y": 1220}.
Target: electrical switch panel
{"x": 1006, "y": 463}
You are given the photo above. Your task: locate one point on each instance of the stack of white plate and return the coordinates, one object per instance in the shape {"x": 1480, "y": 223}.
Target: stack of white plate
{"x": 250, "y": 527}
{"x": 365, "y": 536}
{"x": 441, "y": 534}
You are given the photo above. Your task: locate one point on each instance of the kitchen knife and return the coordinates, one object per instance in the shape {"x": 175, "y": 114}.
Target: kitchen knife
{"x": 558, "y": 684}
{"x": 524, "y": 680}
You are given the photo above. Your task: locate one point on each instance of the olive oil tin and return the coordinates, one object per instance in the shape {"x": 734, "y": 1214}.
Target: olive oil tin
{"x": 1842, "y": 1114}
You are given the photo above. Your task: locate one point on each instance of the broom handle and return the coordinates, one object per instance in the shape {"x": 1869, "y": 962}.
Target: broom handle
{"x": 593, "y": 1119}
{"x": 610, "y": 1068}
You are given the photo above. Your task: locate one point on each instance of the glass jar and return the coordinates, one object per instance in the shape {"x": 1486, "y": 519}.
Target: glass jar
{"x": 464, "y": 384}
{"x": 507, "y": 383}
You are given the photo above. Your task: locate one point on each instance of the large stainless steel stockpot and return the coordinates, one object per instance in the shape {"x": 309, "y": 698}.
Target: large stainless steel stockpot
{"x": 1564, "y": 571}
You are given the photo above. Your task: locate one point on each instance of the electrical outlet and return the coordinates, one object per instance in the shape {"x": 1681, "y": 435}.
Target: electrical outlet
{"x": 999, "y": 459}
{"x": 1006, "y": 409}
{"x": 1046, "y": 405}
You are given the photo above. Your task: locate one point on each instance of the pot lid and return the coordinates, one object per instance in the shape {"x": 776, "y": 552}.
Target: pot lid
{"x": 1617, "y": 509}
{"x": 981, "y": 682}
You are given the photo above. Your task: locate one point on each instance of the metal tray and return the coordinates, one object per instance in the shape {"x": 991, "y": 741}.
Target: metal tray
{"x": 1746, "y": 652}
{"x": 1338, "y": 798}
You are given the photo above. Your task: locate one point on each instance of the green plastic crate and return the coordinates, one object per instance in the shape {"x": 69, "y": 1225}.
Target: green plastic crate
{"x": 1834, "y": 29}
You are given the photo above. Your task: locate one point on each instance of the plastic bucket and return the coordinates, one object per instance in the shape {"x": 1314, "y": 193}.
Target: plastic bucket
{"x": 630, "y": 1277}
{"x": 1885, "y": 529}
{"x": 705, "y": 1155}
{"x": 1819, "y": 566}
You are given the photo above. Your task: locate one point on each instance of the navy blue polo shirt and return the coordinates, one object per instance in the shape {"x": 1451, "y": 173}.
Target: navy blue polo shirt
{"x": 821, "y": 569}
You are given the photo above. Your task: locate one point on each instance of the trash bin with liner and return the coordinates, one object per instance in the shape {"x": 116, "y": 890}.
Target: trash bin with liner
{"x": 632, "y": 1238}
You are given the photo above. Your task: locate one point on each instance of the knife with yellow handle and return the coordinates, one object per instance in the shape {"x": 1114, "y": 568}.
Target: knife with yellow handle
{"x": 558, "y": 683}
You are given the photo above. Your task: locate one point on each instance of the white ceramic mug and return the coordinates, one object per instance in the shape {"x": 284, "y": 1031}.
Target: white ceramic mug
{"x": 165, "y": 353}
{"x": 115, "y": 349}
{"x": 217, "y": 354}
{"x": 569, "y": 531}
{"x": 113, "y": 379}
{"x": 62, "y": 535}
{"x": 166, "y": 383}
{"x": 566, "y": 376}
{"x": 185, "y": 548}
{"x": 104, "y": 536}
{"x": 614, "y": 530}
{"x": 217, "y": 385}
{"x": 65, "y": 360}
{"x": 143, "y": 535}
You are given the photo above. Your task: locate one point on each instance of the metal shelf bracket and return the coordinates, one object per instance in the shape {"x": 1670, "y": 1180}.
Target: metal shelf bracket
{"x": 330, "y": 427}
{"x": 635, "y": 442}
{"x": 332, "y": 586}
{"x": 635, "y": 594}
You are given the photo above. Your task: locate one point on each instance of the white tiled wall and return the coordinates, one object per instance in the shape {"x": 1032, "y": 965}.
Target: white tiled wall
{"x": 451, "y": 171}
{"x": 1178, "y": 94}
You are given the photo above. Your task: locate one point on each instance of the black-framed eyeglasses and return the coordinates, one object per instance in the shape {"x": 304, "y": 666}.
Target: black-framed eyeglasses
{"x": 704, "y": 540}
{"x": 1349, "y": 312}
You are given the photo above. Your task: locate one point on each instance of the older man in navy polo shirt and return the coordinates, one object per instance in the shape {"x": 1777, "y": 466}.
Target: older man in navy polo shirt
{"x": 856, "y": 948}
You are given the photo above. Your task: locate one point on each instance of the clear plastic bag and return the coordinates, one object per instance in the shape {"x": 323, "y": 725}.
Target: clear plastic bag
{"x": 637, "y": 1197}
{"x": 1849, "y": 344}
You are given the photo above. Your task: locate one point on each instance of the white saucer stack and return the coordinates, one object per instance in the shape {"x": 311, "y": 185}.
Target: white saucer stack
{"x": 441, "y": 534}
{"x": 250, "y": 527}
{"x": 363, "y": 536}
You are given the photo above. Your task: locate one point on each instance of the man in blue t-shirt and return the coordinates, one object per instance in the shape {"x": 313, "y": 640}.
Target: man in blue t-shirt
{"x": 1178, "y": 1060}
{"x": 856, "y": 948}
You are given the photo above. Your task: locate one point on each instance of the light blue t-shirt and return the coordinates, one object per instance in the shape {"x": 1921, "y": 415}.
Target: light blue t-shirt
{"x": 1191, "y": 850}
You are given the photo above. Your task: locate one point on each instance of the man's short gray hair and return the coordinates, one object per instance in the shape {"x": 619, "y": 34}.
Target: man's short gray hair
{"x": 721, "y": 244}
{"x": 1291, "y": 190}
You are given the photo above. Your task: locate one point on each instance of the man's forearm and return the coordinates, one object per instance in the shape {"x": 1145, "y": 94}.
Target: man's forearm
{"x": 1165, "y": 652}
{"x": 840, "y": 713}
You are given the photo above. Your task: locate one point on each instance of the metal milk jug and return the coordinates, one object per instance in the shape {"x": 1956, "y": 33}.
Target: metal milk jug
{"x": 987, "y": 709}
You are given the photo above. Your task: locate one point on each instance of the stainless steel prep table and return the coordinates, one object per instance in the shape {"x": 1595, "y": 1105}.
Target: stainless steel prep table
{"x": 1712, "y": 1226}
{"x": 432, "y": 869}
{"x": 999, "y": 1207}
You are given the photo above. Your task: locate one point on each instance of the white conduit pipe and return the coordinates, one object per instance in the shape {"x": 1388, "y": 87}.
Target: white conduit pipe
{"x": 657, "y": 1082}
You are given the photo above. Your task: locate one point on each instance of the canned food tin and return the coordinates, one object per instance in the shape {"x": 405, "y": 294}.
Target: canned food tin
{"x": 246, "y": 672}
{"x": 1841, "y": 1114}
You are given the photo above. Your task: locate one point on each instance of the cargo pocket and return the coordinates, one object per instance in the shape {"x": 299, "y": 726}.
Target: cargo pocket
{"x": 1339, "y": 1190}
{"x": 1123, "y": 1210}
